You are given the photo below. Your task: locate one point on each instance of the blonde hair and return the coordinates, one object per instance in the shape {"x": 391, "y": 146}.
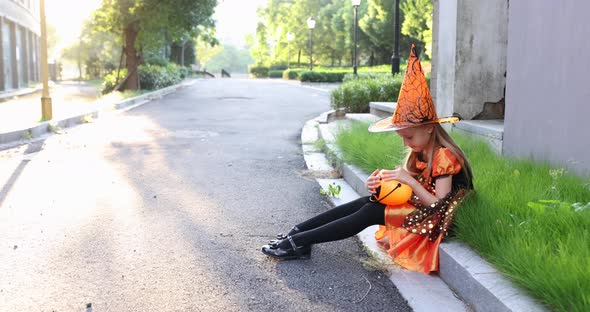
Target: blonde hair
{"x": 439, "y": 137}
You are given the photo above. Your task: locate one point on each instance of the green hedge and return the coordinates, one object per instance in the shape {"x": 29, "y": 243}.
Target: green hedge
{"x": 185, "y": 72}
{"x": 355, "y": 95}
{"x": 280, "y": 67}
{"x": 275, "y": 74}
{"x": 366, "y": 75}
{"x": 319, "y": 76}
{"x": 292, "y": 73}
{"x": 258, "y": 71}
{"x": 342, "y": 74}
{"x": 153, "y": 77}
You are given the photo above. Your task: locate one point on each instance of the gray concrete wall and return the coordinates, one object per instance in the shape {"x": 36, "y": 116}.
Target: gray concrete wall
{"x": 547, "y": 93}
{"x": 470, "y": 54}
{"x": 482, "y": 33}
{"x": 433, "y": 69}
{"x": 443, "y": 60}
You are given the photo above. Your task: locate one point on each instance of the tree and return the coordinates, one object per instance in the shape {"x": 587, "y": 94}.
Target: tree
{"x": 149, "y": 23}
{"x": 334, "y": 32}
{"x": 418, "y": 22}
{"x": 96, "y": 51}
{"x": 206, "y": 51}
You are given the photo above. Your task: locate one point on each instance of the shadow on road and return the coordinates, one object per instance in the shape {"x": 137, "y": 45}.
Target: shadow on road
{"x": 33, "y": 147}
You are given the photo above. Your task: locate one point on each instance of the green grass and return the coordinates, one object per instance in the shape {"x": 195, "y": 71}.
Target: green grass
{"x": 369, "y": 151}
{"x": 133, "y": 93}
{"x": 529, "y": 219}
{"x": 94, "y": 82}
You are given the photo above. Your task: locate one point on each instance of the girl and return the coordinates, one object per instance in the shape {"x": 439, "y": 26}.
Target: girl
{"x": 436, "y": 169}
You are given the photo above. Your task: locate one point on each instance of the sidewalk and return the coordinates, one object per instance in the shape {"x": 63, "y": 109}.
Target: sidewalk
{"x": 466, "y": 282}
{"x": 68, "y": 98}
{"x": 72, "y": 103}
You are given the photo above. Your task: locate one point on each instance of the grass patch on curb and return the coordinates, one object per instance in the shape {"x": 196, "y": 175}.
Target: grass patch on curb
{"x": 320, "y": 145}
{"x": 530, "y": 220}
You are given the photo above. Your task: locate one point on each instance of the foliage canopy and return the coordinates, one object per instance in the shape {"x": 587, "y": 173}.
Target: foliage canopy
{"x": 333, "y": 35}
{"x": 148, "y": 24}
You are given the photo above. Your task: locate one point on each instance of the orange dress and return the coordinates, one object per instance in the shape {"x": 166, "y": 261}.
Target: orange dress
{"x": 412, "y": 232}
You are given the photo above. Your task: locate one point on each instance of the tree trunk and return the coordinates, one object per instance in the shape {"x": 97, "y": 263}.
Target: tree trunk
{"x": 299, "y": 58}
{"x": 132, "y": 58}
{"x": 182, "y": 53}
{"x": 332, "y": 58}
{"x": 79, "y": 61}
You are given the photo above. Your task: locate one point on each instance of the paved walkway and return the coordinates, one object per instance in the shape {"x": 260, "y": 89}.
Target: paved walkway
{"x": 68, "y": 98}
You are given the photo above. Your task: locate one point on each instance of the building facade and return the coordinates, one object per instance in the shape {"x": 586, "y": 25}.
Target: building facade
{"x": 19, "y": 44}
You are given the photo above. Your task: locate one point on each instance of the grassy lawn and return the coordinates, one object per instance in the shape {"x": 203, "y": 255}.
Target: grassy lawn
{"x": 530, "y": 220}
{"x": 95, "y": 82}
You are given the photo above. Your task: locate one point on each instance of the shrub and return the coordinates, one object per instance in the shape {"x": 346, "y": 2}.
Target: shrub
{"x": 280, "y": 67}
{"x": 258, "y": 71}
{"x": 292, "y": 74}
{"x": 153, "y": 77}
{"x": 355, "y": 95}
{"x": 157, "y": 60}
{"x": 366, "y": 75}
{"x": 185, "y": 72}
{"x": 322, "y": 76}
{"x": 275, "y": 73}
{"x": 311, "y": 76}
{"x": 110, "y": 80}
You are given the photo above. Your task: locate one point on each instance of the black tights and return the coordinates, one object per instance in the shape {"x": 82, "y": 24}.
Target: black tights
{"x": 338, "y": 223}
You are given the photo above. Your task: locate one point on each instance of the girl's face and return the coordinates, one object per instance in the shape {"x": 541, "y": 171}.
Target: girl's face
{"x": 416, "y": 138}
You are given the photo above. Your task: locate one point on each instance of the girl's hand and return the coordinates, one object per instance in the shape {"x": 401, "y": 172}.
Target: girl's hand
{"x": 399, "y": 174}
{"x": 373, "y": 181}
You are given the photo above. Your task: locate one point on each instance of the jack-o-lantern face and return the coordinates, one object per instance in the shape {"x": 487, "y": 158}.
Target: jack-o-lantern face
{"x": 392, "y": 193}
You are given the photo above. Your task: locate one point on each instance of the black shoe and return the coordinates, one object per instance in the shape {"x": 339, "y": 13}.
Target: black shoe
{"x": 294, "y": 230}
{"x": 294, "y": 252}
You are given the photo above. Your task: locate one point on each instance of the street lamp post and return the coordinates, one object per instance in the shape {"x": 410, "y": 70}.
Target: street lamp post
{"x": 311, "y": 26}
{"x": 355, "y": 4}
{"x": 46, "y": 111}
{"x": 289, "y": 39}
{"x": 395, "y": 56}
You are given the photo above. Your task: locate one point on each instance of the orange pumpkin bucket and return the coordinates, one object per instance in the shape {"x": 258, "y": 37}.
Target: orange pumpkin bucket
{"x": 392, "y": 193}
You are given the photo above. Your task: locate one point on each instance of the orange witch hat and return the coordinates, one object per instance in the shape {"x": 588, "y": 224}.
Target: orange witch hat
{"x": 414, "y": 104}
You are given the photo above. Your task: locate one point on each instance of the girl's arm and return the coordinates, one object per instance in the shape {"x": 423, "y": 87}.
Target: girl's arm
{"x": 442, "y": 185}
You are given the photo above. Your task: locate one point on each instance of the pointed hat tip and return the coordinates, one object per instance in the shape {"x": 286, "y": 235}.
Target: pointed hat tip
{"x": 413, "y": 51}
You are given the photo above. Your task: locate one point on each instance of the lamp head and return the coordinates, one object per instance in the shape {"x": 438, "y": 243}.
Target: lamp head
{"x": 310, "y": 23}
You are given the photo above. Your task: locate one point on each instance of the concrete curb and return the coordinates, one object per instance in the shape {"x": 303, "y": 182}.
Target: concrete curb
{"x": 25, "y": 135}
{"x": 471, "y": 277}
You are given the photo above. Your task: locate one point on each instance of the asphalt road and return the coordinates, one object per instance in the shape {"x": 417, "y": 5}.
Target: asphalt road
{"x": 165, "y": 208}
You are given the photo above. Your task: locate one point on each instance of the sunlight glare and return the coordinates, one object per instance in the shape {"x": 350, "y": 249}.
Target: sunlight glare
{"x": 68, "y": 17}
